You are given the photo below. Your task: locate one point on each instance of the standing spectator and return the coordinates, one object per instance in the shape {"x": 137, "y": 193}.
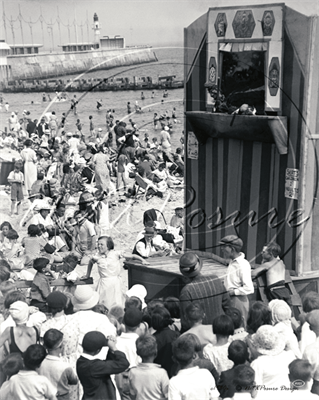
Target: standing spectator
{"x": 300, "y": 371}
{"x": 29, "y": 159}
{"x": 311, "y": 352}
{"x": 95, "y": 374}
{"x": 53, "y": 125}
{"x": 191, "y": 382}
{"x": 74, "y": 103}
{"x": 238, "y": 281}
{"x": 223, "y": 328}
{"x": 148, "y": 380}
{"x": 27, "y": 383}
{"x": 208, "y": 290}
{"x": 16, "y": 179}
{"x": 92, "y": 130}
{"x": 59, "y": 372}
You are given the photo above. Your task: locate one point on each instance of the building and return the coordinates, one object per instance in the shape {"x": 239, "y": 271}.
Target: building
{"x": 19, "y": 49}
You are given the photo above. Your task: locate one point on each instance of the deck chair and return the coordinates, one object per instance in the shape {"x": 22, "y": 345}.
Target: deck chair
{"x": 294, "y": 296}
{"x": 141, "y": 185}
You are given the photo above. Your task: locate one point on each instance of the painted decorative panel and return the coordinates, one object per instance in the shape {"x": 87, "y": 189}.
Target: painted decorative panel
{"x": 244, "y": 24}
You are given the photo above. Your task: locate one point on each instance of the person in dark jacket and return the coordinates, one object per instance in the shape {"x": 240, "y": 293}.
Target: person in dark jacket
{"x": 94, "y": 373}
{"x": 208, "y": 290}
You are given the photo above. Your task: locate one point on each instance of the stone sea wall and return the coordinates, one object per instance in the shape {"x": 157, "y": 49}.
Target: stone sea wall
{"x": 49, "y": 65}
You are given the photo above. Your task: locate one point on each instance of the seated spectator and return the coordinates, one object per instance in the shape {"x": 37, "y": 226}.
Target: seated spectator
{"x": 191, "y": 382}
{"x": 95, "y": 374}
{"x": 300, "y": 371}
{"x": 27, "y": 383}
{"x": 148, "y": 380}
{"x": 40, "y": 288}
{"x": 238, "y": 321}
{"x": 177, "y": 220}
{"x": 33, "y": 245}
{"x": 238, "y": 354}
{"x": 223, "y": 327}
{"x": 59, "y": 372}
{"x": 195, "y": 315}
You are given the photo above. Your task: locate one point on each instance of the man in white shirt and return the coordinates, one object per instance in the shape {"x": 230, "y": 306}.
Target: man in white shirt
{"x": 238, "y": 280}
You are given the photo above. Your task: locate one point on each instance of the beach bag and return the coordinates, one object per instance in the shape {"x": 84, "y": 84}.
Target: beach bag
{"x": 49, "y": 248}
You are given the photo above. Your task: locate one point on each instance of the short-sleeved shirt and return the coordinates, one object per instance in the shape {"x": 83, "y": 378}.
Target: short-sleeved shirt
{"x": 16, "y": 176}
{"x": 28, "y": 385}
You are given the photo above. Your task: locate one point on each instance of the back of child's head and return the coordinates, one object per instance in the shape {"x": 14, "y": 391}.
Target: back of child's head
{"x": 33, "y": 230}
{"x": 259, "y": 314}
{"x": 172, "y": 304}
{"x": 235, "y": 315}
{"x": 7, "y": 287}
{"x": 133, "y": 302}
{"x": 184, "y": 350}
{"x": 238, "y": 352}
{"x": 33, "y": 356}
{"x": 300, "y": 370}
{"x": 161, "y": 318}
{"x": 117, "y": 312}
{"x": 12, "y": 297}
{"x": 52, "y": 339}
{"x": 132, "y": 318}
{"x": 12, "y": 234}
{"x": 197, "y": 344}
{"x": 100, "y": 309}
{"x": 244, "y": 378}
{"x": 310, "y": 301}
{"x": 151, "y": 305}
{"x": 12, "y": 364}
{"x": 223, "y": 325}
{"x": 194, "y": 312}
{"x": 146, "y": 346}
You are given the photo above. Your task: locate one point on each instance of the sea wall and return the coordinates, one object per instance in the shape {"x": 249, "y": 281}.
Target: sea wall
{"x": 49, "y": 65}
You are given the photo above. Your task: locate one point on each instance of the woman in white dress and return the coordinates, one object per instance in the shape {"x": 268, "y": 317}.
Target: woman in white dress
{"x": 109, "y": 263}
{"x": 29, "y": 158}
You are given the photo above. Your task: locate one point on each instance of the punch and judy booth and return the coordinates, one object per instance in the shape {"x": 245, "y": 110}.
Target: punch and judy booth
{"x": 254, "y": 172}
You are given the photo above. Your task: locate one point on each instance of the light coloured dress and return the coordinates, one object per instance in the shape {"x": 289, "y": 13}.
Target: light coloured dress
{"x": 30, "y": 169}
{"x": 102, "y": 175}
{"x": 110, "y": 285}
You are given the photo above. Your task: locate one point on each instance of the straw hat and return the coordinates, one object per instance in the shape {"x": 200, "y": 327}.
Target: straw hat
{"x": 280, "y": 311}
{"x": 268, "y": 341}
{"x": 85, "y": 298}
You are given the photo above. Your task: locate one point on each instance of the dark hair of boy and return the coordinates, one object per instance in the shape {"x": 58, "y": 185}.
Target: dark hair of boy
{"x": 117, "y": 312}
{"x": 52, "y": 338}
{"x": 300, "y": 370}
{"x": 40, "y": 263}
{"x": 33, "y": 356}
{"x": 33, "y": 230}
{"x": 12, "y": 297}
{"x": 4, "y": 274}
{"x": 274, "y": 249}
{"x": 194, "y": 312}
{"x": 238, "y": 352}
{"x": 310, "y": 301}
{"x": 133, "y": 302}
{"x": 12, "y": 234}
{"x": 244, "y": 378}
{"x": 223, "y": 325}
{"x": 161, "y": 318}
{"x": 235, "y": 315}
{"x": 100, "y": 309}
{"x": 146, "y": 347}
{"x": 12, "y": 364}
{"x": 184, "y": 350}
{"x": 172, "y": 304}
